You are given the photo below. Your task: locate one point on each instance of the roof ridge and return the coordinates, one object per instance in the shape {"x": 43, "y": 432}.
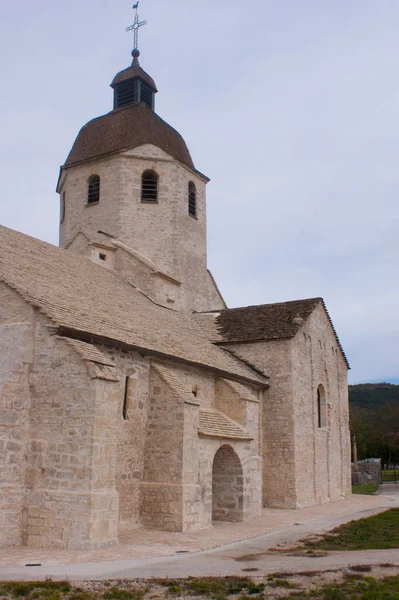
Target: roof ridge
{"x": 316, "y": 299}
{"x": 217, "y": 288}
{"x": 149, "y": 263}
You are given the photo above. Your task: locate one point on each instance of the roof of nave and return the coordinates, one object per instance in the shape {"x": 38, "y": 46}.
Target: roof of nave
{"x": 127, "y": 128}
{"x": 264, "y": 322}
{"x": 88, "y": 301}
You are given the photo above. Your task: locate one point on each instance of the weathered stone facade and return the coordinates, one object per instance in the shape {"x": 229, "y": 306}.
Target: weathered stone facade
{"x": 170, "y": 265}
{"x": 303, "y": 464}
{"x": 129, "y": 394}
{"x": 87, "y": 453}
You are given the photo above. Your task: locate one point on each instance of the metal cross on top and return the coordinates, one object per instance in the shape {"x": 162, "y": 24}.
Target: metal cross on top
{"x": 136, "y": 26}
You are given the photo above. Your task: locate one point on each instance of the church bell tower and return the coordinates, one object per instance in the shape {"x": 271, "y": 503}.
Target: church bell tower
{"x": 133, "y": 85}
{"x": 133, "y": 201}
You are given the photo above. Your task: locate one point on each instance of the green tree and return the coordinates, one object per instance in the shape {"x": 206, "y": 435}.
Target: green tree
{"x": 366, "y": 427}
{"x": 388, "y": 418}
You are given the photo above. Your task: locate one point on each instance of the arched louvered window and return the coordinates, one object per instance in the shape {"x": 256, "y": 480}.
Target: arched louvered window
{"x": 62, "y": 211}
{"x": 149, "y": 186}
{"x": 322, "y": 407}
{"x": 93, "y": 189}
{"x": 192, "y": 199}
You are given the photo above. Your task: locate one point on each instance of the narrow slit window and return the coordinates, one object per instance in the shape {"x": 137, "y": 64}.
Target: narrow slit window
{"x": 125, "y": 399}
{"x": 192, "y": 199}
{"x": 93, "y": 189}
{"x": 149, "y": 186}
{"x": 321, "y": 407}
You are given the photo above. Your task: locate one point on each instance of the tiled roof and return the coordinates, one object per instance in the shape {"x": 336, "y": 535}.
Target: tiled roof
{"x": 99, "y": 238}
{"x": 95, "y": 238}
{"x": 175, "y": 383}
{"x": 99, "y": 365}
{"x": 127, "y": 128}
{"x": 267, "y": 321}
{"x": 148, "y": 263}
{"x": 241, "y": 391}
{"x": 264, "y": 322}
{"x": 213, "y": 423}
{"x": 90, "y": 301}
{"x": 217, "y": 288}
{"x": 89, "y": 352}
{"x": 134, "y": 71}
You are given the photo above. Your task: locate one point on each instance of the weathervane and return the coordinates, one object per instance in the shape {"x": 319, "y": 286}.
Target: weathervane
{"x": 135, "y": 28}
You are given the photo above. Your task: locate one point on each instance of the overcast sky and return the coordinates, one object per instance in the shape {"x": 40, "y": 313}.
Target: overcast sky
{"x": 291, "y": 107}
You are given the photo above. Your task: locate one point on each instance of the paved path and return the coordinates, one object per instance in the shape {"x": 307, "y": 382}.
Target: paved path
{"x": 234, "y": 558}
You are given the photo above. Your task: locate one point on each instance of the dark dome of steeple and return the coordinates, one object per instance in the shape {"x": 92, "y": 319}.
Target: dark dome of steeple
{"x": 132, "y": 72}
{"x": 134, "y": 85}
{"x": 126, "y": 129}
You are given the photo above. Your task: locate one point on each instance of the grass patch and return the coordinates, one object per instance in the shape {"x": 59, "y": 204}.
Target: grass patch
{"x": 116, "y": 593}
{"x": 366, "y": 589}
{"x": 390, "y": 475}
{"x": 255, "y": 588}
{"x": 173, "y": 589}
{"x": 368, "y": 489}
{"x": 218, "y": 588}
{"x": 35, "y": 590}
{"x": 80, "y": 595}
{"x": 215, "y": 587}
{"x": 377, "y": 532}
{"x": 282, "y": 583}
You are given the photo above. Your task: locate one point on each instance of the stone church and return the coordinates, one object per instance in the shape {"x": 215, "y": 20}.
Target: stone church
{"x": 129, "y": 393}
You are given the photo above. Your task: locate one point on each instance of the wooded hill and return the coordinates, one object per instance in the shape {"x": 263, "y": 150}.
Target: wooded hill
{"x": 372, "y": 395}
{"x": 374, "y": 420}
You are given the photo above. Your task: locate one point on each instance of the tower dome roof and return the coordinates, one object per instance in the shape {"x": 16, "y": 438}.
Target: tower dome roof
{"x": 132, "y": 72}
{"x": 125, "y": 129}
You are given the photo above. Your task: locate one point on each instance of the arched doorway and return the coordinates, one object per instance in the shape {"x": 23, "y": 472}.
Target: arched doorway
{"x": 227, "y": 486}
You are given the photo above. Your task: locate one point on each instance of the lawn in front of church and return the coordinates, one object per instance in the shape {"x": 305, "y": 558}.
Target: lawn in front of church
{"x": 372, "y": 533}
{"x": 368, "y": 489}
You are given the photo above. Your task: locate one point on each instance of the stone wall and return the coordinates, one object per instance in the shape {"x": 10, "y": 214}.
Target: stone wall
{"x": 163, "y": 232}
{"x": 277, "y": 429}
{"x": 71, "y": 496}
{"x": 229, "y": 402}
{"x": 162, "y": 491}
{"x": 303, "y": 464}
{"x": 78, "y": 214}
{"x": 176, "y": 493}
{"x": 57, "y": 433}
{"x": 16, "y": 351}
{"x": 251, "y": 468}
{"x": 322, "y": 452}
{"x": 367, "y": 471}
{"x": 131, "y": 433}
